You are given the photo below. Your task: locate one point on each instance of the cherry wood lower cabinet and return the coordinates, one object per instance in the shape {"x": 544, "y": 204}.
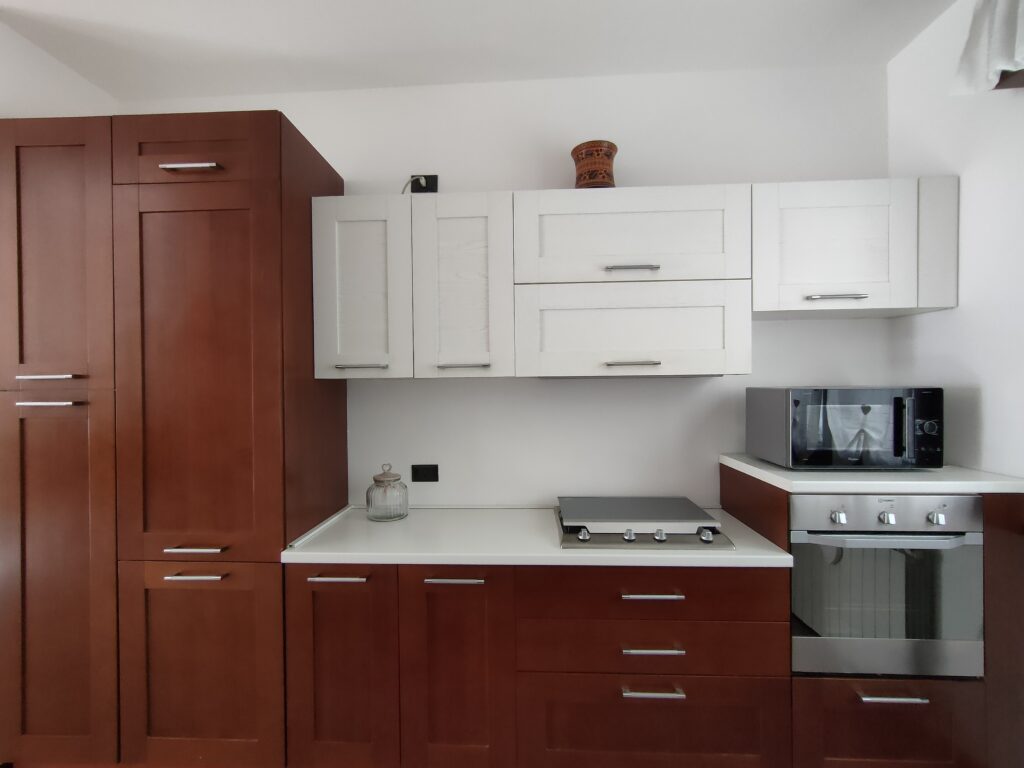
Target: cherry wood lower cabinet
{"x": 58, "y": 608}
{"x": 652, "y": 721}
{"x": 457, "y": 631}
{"x": 888, "y": 723}
{"x": 202, "y": 664}
{"x": 342, "y": 658}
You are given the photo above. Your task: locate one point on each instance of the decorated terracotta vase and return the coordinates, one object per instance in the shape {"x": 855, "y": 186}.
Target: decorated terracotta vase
{"x": 594, "y": 164}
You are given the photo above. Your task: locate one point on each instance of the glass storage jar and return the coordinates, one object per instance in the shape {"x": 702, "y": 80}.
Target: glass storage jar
{"x": 388, "y": 498}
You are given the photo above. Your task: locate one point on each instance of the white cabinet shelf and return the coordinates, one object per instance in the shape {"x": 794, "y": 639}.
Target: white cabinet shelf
{"x": 870, "y": 246}
{"x": 672, "y": 328}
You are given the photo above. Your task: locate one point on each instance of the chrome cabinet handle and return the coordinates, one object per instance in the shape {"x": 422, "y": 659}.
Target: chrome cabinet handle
{"x": 44, "y": 376}
{"x": 617, "y": 363}
{"x": 194, "y": 577}
{"x": 47, "y": 403}
{"x": 382, "y": 366}
{"x": 673, "y": 596}
{"x": 619, "y": 267}
{"x": 204, "y": 166}
{"x": 893, "y": 699}
{"x": 653, "y": 652}
{"x": 675, "y": 695}
{"x": 454, "y": 581}
{"x": 823, "y": 296}
{"x": 193, "y": 550}
{"x": 337, "y": 579}
{"x": 444, "y": 366}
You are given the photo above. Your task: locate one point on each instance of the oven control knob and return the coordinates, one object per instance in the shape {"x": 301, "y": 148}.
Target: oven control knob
{"x": 660, "y": 535}
{"x": 707, "y": 535}
{"x": 887, "y": 518}
{"x": 937, "y": 518}
{"x": 629, "y": 535}
{"x": 838, "y": 517}
{"x": 583, "y": 535}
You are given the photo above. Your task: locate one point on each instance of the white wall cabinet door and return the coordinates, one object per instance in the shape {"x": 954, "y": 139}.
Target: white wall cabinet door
{"x": 835, "y": 245}
{"x": 462, "y": 285}
{"x": 700, "y": 327}
{"x": 362, "y": 287}
{"x": 631, "y": 234}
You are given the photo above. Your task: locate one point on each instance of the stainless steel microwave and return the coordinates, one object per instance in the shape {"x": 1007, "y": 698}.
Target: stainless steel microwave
{"x": 846, "y": 427}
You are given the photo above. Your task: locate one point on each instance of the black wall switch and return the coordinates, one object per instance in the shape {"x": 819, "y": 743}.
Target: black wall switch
{"x": 424, "y": 473}
{"x": 423, "y": 182}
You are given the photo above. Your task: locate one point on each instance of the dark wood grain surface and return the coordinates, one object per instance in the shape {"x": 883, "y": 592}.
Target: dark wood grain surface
{"x": 757, "y": 504}
{"x": 58, "y": 644}
{"x": 56, "y": 291}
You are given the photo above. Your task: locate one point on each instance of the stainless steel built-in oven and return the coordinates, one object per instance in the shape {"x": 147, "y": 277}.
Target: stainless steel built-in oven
{"x": 887, "y": 585}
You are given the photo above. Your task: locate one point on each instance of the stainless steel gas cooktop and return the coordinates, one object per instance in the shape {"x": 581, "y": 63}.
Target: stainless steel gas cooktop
{"x": 643, "y": 522}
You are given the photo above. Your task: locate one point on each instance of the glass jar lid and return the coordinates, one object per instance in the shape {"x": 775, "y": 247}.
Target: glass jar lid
{"x": 387, "y": 477}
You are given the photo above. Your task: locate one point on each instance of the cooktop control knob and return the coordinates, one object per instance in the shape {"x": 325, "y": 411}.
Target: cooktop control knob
{"x": 937, "y": 518}
{"x": 707, "y": 535}
{"x": 660, "y": 535}
{"x": 838, "y": 517}
{"x": 629, "y": 535}
{"x": 583, "y": 535}
{"x": 887, "y": 518}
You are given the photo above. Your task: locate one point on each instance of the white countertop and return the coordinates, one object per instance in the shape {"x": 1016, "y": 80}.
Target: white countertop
{"x": 946, "y": 480}
{"x": 484, "y": 536}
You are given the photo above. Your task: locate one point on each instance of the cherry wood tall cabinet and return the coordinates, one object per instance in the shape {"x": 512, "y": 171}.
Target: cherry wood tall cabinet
{"x": 226, "y": 446}
{"x": 58, "y": 608}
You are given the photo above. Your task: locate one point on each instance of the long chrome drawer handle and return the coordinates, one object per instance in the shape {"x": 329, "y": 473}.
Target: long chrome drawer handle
{"x": 893, "y": 699}
{"x": 617, "y": 363}
{"x": 48, "y": 403}
{"x": 653, "y": 652}
{"x": 675, "y": 695}
{"x": 382, "y": 366}
{"x": 194, "y": 577}
{"x": 618, "y": 267}
{"x": 337, "y": 579}
{"x": 627, "y": 596}
{"x": 205, "y": 166}
{"x": 44, "y": 377}
{"x": 193, "y": 550}
{"x": 444, "y": 366}
{"x": 454, "y": 581}
{"x": 821, "y": 296}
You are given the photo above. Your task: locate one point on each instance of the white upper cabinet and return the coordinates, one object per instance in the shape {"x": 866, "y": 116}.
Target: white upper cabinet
{"x": 462, "y": 285}
{"x": 362, "y": 287}
{"x": 672, "y": 328}
{"x": 632, "y": 234}
{"x": 887, "y": 244}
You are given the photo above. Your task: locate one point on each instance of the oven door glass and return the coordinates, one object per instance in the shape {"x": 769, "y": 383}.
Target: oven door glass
{"x": 888, "y": 604}
{"x": 853, "y": 428}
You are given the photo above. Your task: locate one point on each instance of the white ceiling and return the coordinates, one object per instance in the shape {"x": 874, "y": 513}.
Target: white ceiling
{"x": 145, "y": 49}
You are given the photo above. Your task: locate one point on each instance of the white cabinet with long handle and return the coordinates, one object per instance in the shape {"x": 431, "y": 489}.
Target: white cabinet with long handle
{"x": 462, "y": 285}
{"x": 362, "y": 287}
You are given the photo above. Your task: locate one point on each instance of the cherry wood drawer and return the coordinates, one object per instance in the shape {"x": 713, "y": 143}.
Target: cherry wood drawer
{"x": 919, "y": 723}
{"x": 607, "y": 721}
{"x": 721, "y": 594}
{"x": 213, "y": 146}
{"x": 659, "y": 647}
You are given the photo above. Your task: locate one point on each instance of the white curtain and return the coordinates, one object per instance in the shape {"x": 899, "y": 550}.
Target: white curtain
{"x": 995, "y": 44}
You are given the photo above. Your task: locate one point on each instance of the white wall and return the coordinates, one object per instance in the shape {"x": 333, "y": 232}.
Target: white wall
{"x": 524, "y": 442}
{"x": 977, "y": 350}
{"x": 35, "y": 84}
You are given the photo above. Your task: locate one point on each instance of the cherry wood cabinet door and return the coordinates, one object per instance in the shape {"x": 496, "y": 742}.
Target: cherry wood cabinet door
{"x": 58, "y": 609}
{"x": 652, "y": 721}
{"x": 457, "y": 630}
{"x": 888, "y": 723}
{"x": 202, "y": 664}
{"x": 342, "y": 658}
{"x": 56, "y": 287}
{"x": 198, "y": 340}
